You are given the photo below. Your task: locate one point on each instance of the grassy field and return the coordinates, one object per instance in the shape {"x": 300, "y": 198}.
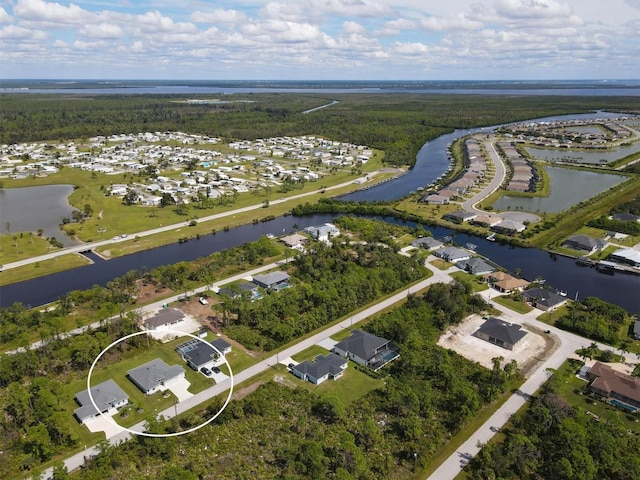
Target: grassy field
{"x": 310, "y": 353}
{"x": 441, "y": 264}
{"x": 477, "y": 284}
{"x": 515, "y": 305}
{"x": 42, "y": 268}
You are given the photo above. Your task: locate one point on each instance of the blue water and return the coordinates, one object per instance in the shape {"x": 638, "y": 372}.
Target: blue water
{"x": 623, "y": 406}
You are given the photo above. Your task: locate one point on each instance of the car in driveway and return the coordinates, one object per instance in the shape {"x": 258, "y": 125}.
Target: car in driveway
{"x": 206, "y": 371}
{"x": 216, "y": 370}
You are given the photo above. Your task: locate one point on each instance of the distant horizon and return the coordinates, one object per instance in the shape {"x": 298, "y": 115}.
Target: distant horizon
{"x": 323, "y": 40}
{"x": 335, "y": 80}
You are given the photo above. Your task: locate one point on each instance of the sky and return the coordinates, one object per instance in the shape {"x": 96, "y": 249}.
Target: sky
{"x": 320, "y": 39}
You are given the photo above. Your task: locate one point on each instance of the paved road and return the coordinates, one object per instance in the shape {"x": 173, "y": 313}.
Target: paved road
{"x": 93, "y": 245}
{"x": 498, "y": 179}
{"x": 439, "y": 276}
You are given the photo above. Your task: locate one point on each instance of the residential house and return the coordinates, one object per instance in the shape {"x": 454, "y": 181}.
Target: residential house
{"x": 107, "y": 396}
{"x": 614, "y": 386}
{"x": 500, "y": 333}
{"x": 452, "y": 254}
{"x": 543, "y": 298}
{"x": 428, "y": 243}
{"x": 435, "y": 199}
{"x": 323, "y": 367}
{"x": 323, "y": 232}
{"x": 509, "y": 227}
{"x": 584, "y": 243}
{"x": 626, "y": 217}
{"x": 238, "y": 290}
{"x": 164, "y": 319}
{"x": 367, "y": 349}
{"x": 273, "y": 280}
{"x": 154, "y": 375}
{"x": 628, "y": 256}
{"x": 636, "y": 330}
{"x": 295, "y": 241}
{"x": 505, "y": 283}
{"x": 486, "y": 220}
{"x": 198, "y": 354}
{"x": 475, "y": 266}
{"x": 459, "y": 216}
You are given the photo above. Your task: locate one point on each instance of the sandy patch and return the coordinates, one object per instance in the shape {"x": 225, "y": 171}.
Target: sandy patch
{"x": 529, "y": 351}
{"x": 188, "y": 325}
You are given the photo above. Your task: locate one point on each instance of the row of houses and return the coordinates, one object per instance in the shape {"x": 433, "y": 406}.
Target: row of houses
{"x": 493, "y": 222}
{"x": 523, "y": 176}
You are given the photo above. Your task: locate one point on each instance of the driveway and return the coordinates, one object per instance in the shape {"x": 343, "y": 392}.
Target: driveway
{"x": 327, "y": 343}
{"x": 102, "y": 424}
{"x": 180, "y": 389}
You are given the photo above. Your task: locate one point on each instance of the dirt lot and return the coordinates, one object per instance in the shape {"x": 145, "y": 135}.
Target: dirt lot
{"x": 535, "y": 346}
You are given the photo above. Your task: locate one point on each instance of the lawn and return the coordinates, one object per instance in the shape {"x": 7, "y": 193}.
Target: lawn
{"x": 441, "y": 264}
{"x": 477, "y": 284}
{"x": 570, "y": 387}
{"x": 515, "y": 305}
{"x": 310, "y": 353}
{"x": 238, "y": 359}
{"x": 42, "y": 268}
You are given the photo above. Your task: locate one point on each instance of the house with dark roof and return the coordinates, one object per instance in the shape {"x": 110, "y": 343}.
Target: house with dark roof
{"x": 509, "y": 227}
{"x": 198, "y": 354}
{"x": 428, "y": 243}
{"x": 626, "y": 217}
{"x": 584, "y": 243}
{"x": 273, "y": 280}
{"x": 475, "y": 266}
{"x": 452, "y": 254}
{"x": 614, "y": 386}
{"x": 367, "y": 349}
{"x": 459, "y": 216}
{"x": 543, "y": 298}
{"x": 108, "y": 397}
{"x": 247, "y": 290}
{"x": 163, "y": 319}
{"x": 636, "y": 330}
{"x": 500, "y": 333}
{"x": 323, "y": 367}
{"x": 154, "y": 375}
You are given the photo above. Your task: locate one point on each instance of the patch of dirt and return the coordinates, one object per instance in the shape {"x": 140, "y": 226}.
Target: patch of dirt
{"x": 240, "y": 394}
{"x": 146, "y": 292}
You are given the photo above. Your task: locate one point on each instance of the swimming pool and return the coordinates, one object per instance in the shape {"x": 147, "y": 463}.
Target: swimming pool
{"x": 624, "y": 406}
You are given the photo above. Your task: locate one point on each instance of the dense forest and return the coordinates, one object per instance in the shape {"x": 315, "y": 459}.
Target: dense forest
{"x": 399, "y": 124}
{"x": 595, "y": 319}
{"x": 280, "y": 432}
{"x": 327, "y": 285}
{"x": 555, "y": 440}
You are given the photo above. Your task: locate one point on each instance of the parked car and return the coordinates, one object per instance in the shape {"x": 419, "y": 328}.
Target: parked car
{"x": 206, "y": 371}
{"x": 216, "y": 370}
{"x": 203, "y": 301}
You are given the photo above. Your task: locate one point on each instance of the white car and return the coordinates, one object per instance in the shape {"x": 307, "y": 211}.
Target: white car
{"x": 203, "y": 301}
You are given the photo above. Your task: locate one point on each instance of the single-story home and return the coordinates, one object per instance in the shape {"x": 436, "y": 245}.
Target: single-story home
{"x": 503, "y": 282}
{"x": 198, "y": 354}
{"x": 435, "y": 199}
{"x": 543, "y": 298}
{"x": 614, "y": 385}
{"x": 509, "y": 227}
{"x": 459, "y": 216}
{"x": 295, "y": 240}
{"x": 475, "y": 266}
{"x": 323, "y": 367}
{"x": 500, "y": 333}
{"x": 428, "y": 243}
{"x": 636, "y": 330}
{"x": 154, "y": 375}
{"x": 367, "y": 349}
{"x": 486, "y": 220}
{"x": 626, "y": 217}
{"x": 163, "y": 319}
{"x": 452, "y": 254}
{"x": 584, "y": 243}
{"x": 106, "y": 395}
{"x": 238, "y": 290}
{"x": 273, "y": 280}
{"x": 628, "y": 256}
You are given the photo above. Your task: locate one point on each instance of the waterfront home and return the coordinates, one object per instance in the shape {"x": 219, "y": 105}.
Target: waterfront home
{"x": 543, "y": 298}
{"x": 584, "y": 243}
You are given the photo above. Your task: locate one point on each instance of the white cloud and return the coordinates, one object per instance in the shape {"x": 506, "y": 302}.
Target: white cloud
{"x": 219, "y": 16}
{"x": 352, "y": 27}
{"x": 351, "y": 8}
{"x": 410, "y": 48}
{"x": 533, "y": 9}
{"x": 155, "y": 22}
{"x": 290, "y": 12}
{"x": 4, "y": 16}
{"x": 40, "y": 11}
{"x": 460, "y": 22}
{"x": 103, "y": 30}
{"x": 633, "y": 3}
{"x": 394, "y": 27}
{"x": 13, "y": 32}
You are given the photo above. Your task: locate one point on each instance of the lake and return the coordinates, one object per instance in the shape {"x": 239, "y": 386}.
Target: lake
{"x": 568, "y": 187}
{"x": 29, "y": 209}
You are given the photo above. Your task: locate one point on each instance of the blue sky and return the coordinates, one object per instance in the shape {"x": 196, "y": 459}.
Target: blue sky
{"x": 321, "y": 39}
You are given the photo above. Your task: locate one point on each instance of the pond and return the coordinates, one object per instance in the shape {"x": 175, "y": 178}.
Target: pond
{"x": 568, "y": 187}
{"x": 594, "y": 157}
{"x": 29, "y": 209}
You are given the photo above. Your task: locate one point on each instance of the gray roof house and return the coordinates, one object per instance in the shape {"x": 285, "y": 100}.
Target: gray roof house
{"x": 106, "y": 395}
{"x": 428, "y": 243}
{"x": 367, "y": 349}
{"x": 584, "y": 243}
{"x": 323, "y": 367}
{"x": 323, "y": 232}
{"x": 452, "y": 254}
{"x": 154, "y": 375}
{"x": 238, "y": 290}
{"x": 501, "y": 333}
{"x": 199, "y": 354}
{"x": 273, "y": 280}
{"x": 509, "y": 227}
{"x": 475, "y": 266}
{"x": 459, "y": 216}
{"x": 543, "y": 298}
{"x": 636, "y": 330}
{"x": 626, "y": 217}
{"x": 163, "y": 319}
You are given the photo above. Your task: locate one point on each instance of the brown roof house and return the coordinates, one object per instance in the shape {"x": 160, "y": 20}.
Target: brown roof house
{"x": 615, "y": 387}
{"x": 505, "y": 283}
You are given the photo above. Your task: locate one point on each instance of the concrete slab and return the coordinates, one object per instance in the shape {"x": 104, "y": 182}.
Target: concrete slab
{"x": 219, "y": 377}
{"x": 101, "y": 424}
{"x": 327, "y": 343}
{"x": 179, "y": 389}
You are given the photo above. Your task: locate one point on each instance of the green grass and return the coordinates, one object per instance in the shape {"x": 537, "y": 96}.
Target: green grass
{"x": 352, "y": 386}
{"x": 551, "y": 318}
{"x": 477, "y": 284}
{"x": 238, "y": 360}
{"x": 42, "y": 268}
{"x": 16, "y": 246}
{"x": 441, "y": 264}
{"x": 342, "y": 334}
{"x": 571, "y": 389}
{"x": 309, "y": 353}
{"x": 515, "y": 305}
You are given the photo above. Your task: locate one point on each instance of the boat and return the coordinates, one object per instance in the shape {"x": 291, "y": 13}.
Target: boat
{"x": 562, "y": 293}
{"x": 471, "y": 246}
{"x": 492, "y": 237}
